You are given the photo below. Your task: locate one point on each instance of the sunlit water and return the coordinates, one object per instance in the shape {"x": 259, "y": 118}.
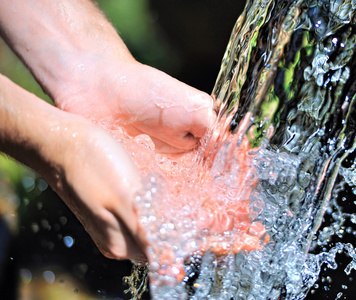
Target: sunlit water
{"x": 242, "y": 218}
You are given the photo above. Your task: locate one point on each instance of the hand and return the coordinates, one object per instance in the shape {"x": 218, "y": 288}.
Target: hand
{"x": 81, "y": 62}
{"x": 143, "y": 100}
{"x": 84, "y": 164}
{"x": 99, "y": 184}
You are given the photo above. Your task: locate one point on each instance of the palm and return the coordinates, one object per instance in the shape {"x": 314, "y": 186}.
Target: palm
{"x": 143, "y": 100}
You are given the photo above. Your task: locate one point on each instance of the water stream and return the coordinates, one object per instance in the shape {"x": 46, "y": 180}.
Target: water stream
{"x": 252, "y": 214}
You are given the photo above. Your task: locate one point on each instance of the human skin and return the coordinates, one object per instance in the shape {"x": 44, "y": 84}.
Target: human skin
{"x": 84, "y": 164}
{"x": 82, "y": 63}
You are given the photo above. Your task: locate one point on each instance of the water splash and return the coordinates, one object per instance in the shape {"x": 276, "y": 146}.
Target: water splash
{"x": 242, "y": 222}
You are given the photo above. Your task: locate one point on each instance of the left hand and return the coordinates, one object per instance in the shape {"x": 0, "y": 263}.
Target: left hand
{"x": 143, "y": 100}
{"x": 82, "y": 63}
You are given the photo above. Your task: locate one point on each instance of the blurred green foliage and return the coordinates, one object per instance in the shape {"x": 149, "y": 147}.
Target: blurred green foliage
{"x": 14, "y": 171}
{"x": 13, "y": 68}
{"x": 136, "y": 25}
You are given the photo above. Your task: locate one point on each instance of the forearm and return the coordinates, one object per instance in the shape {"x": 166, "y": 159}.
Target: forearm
{"x": 81, "y": 62}
{"x": 26, "y": 125}
{"x": 88, "y": 169}
{"x": 53, "y": 39}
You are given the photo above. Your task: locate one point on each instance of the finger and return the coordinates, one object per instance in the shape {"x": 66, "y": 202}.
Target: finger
{"x": 114, "y": 239}
{"x": 165, "y": 148}
{"x": 203, "y": 116}
{"x": 175, "y": 146}
{"x": 121, "y": 245}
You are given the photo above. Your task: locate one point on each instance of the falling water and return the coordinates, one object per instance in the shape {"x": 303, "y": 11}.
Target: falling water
{"x": 245, "y": 221}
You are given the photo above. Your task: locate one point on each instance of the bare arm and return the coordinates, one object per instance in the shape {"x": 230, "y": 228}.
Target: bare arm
{"x": 89, "y": 170}
{"x": 58, "y": 40}
{"x": 82, "y": 63}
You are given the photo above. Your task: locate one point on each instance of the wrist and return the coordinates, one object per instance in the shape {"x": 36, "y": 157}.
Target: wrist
{"x": 30, "y": 131}
{"x": 62, "y": 46}
{"x": 77, "y": 68}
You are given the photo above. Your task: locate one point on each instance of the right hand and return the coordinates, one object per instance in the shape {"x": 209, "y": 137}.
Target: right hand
{"x": 99, "y": 184}
{"x": 83, "y": 163}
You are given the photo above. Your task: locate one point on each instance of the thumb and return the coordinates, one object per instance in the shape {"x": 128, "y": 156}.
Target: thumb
{"x": 203, "y": 115}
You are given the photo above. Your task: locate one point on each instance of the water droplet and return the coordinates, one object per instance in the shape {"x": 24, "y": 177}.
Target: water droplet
{"x": 26, "y": 201}
{"x": 35, "y": 228}
{"x": 42, "y": 185}
{"x": 49, "y": 276}
{"x": 63, "y": 220}
{"x": 25, "y": 275}
{"x": 45, "y": 224}
{"x": 28, "y": 183}
{"x": 68, "y": 241}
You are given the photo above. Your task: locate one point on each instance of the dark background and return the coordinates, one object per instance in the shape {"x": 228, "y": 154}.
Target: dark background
{"x": 186, "y": 39}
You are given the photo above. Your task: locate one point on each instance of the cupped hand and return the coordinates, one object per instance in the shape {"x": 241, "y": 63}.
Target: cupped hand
{"x": 81, "y": 62}
{"x": 83, "y": 163}
{"x": 99, "y": 184}
{"x": 142, "y": 100}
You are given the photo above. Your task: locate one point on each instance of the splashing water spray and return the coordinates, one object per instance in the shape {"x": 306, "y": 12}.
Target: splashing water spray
{"x": 244, "y": 217}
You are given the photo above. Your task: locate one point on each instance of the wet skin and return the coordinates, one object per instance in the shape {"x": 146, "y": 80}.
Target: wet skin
{"x": 81, "y": 62}
{"x": 222, "y": 215}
